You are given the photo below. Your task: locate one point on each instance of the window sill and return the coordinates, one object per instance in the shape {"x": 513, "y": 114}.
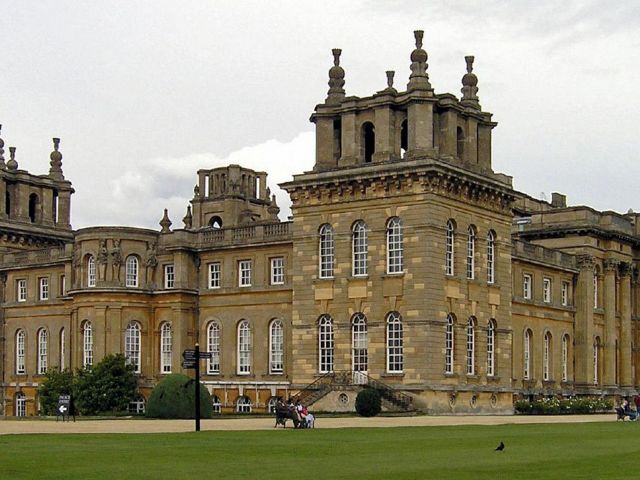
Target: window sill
{"x": 450, "y": 375}
{"x": 392, "y": 375}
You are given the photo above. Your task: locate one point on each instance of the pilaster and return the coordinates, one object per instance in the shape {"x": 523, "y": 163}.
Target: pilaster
{"x": 626, "y": 359}
{"x": 609, "y": 300}
{"x": 584, "y": 322}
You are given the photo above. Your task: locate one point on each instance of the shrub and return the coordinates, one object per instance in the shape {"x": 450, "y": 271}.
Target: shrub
{"x": 368, "y": 403}
{"x": 174, "y": 397}
{"x": 55, "y": 383}
{"x": 564, "y": 406}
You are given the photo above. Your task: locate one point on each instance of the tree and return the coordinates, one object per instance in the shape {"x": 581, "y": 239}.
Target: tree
{"x": 108, "y": 386}
{"x": 55, "y": 383}
{"x": 174, "y": 397}
{"x": 368, "y": 402}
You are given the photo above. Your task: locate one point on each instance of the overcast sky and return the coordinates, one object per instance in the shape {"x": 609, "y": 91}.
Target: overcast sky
{"x": 143, "y": 93}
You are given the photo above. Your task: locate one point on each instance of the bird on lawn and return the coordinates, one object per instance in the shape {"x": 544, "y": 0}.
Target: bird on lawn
{"x": 500, "y": 447}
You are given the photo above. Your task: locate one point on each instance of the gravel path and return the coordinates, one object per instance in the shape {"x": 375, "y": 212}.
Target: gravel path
{"x": 161, "y": 426}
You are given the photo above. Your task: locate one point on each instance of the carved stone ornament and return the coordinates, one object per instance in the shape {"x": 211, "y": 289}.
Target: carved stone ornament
{"x": 611, "y": 265}
{"x": 585, "y": 262}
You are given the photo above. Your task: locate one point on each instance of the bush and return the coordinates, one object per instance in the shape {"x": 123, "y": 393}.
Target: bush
{"x": 174, "y": 397}
{"x": 564, "y": 406}
{"x": 55, "y": 383}
{"x": 368, "y": 403}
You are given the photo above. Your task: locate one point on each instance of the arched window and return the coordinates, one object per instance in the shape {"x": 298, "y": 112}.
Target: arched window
{"x": 565, "y": 358}
{"x": 596, "y": 361}
{"x": 62, "y": 349}
{"x": 271, "y": 405}
{"x": 368, "y": 141}
{"x": 449, "y": 256}
{"x": 91, "y": 271}
{"x": 244, "y": 348}
{"x": 460, "y": 142}
{"x": 325, "y": 347}
{"x": 243, "y": 405}
{"x": 166, "y": 347}
{"x": 359, "y": 347}
{"x": 131, "y": 271}
{"x": 215, "y": 222}
{"x": 360, "y": 249}
{"x": 87, "y": 344}
{"x": 526, "y": 361}
{"x": 546, "y": 357}
{"x": 471, "y": 252}
{"x": 471, "y": 346}
{"x": 43, "y": 343}
{"x": 132, "y": 345}
{"x": 213, "y": 346}
{"x": 448, "y": 345}
{"x": 21, "y": 405}
{"x": 596, "y": 280}
{"x": 491, "y": 250}
{"x": 395, "y": 343}
{"x": 20, "y": 353}
{"x": 404, "y": 138}
{"x": 217, "y": 404}
{"x": 33, "y": 207}
{"x": 491, "y": 348}
{"x": 276, "y": 347}
{"x": 327, "y": 249}
{"x": 137, "y": 405}
{"x": 395, "y": 247}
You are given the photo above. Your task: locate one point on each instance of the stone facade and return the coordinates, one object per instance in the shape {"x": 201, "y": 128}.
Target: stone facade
{"x": 409, "y": 263}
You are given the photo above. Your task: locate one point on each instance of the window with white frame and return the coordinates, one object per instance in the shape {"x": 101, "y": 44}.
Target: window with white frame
{"x": 326, "y": 248}
{"x": 395, "y": 343}
{"x": 471, "y": 346}
{"x": 244, "y": 273}
{"x": 359, "y": 343}
{"x": 20, "y": 353}
{"x": 43, "y": 343}
{"x": 272, "y": 405}
{"x": 491, "y": 348}
{"x": 546, "y": 357}
{"x": 21, "y": 290}
{"x": 450, "y": 243}
{"x": 131, "y": 271}
{"x": 360, "y": 248}
{"x": 565, "y": 294}
{"x": 596, "y": 362}
{"x": 526, "y": 286}
{"x": 137, "y": 405}
{"x": 62, "y": 349}
{"x": 471, "y": 252}
{"x": 213, "y": 346}
{"x": 87, "y": 344}
{"x": 491, "y": 251}
{"x": 277, "y": 271}
{"x": 21, "y": 405}
{"x": 527, "y": 355}
{"x": 276, "y": 347}
{"x": 395, "y": 246}
{"x": 214, "y": 275}
{"x": 43, "y": 290}
{"x": 325, "y": 344}
{"x": 448, "y": 345}
{"x": 244, "y": 348}
{"x": 132, "y": 345}
{"x": 217, "y": 404}
{"x": 91, "y": 271}
{"x": 595, "y": 288}
{"x": 169, "y": 276}
{"x": 243, "y": 405}
{"x": 166, "y": 347}
{"x": 546, "y": 290}
{"x": 62, "y": 286}
{"x": 565, "y": 358}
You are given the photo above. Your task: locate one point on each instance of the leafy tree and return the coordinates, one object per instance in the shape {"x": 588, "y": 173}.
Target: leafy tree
{"x": 368, "y": 402}
{"x": 108, "y": 386}
{"x": 55, "y": 383}
{"x": 174, "y": 397}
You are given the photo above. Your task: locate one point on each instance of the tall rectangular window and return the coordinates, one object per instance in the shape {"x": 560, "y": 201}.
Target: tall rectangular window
{"x": 326, "y": 251}
{"x": 277, "y": 271}
{"x": 21, "y": 290}
{"x": 546, "y": 290}
{"x": 360, "y": 248}
{"x": 62, "y": 285}
{"x": 244, "y": 273}
{"x": 565, "y": 293}
{"x": 169, "y": 276}
{"x": 214, "y": 275}
{"x": 526, "y": 286}
{"x": 491, "y": 265}
{"x": 43, "y": 288}
{"x": 471, "y": 253}
{"x": 395, "y": 261}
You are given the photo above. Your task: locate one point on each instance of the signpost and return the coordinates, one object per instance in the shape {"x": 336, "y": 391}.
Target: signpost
{"x": 191, "y": 359}
{"x": 64, "y": 408}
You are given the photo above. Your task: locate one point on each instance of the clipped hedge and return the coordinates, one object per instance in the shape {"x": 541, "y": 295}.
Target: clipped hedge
{"x": 564, "y": 406}
{"x": 368, "y": 403}
{"x": 174, "y": 397}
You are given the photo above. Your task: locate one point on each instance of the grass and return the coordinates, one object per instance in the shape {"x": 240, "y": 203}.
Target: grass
{"x": 546, "y": 451}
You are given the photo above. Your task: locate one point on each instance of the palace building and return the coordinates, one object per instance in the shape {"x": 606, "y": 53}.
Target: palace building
{"x": 408, "y": 265}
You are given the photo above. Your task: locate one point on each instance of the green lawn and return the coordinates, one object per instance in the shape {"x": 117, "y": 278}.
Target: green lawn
{"x": 591, "y": 451}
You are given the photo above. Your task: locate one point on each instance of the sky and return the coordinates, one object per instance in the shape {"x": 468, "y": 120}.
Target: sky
{"x": 143, "y": 93}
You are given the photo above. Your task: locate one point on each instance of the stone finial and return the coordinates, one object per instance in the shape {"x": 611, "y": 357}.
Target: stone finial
{"x": 419, "y": 78}
{"x": 2, "y": 164}
{"x": 12, "y": 164}
{"x": 165, "y": 223}
{"x": 336, "y": 79}
{"x": 390, "y": 74}
{"x": 196, "y": 191}
{"x": 273, "y": 208}
{"x": 55, "y": 171}
{"x": 188, "y": 219}
{"x": 470, "y": 86}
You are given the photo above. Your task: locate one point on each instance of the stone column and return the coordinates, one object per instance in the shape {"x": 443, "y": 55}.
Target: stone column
{"x": 350, "y": 141}
{"x": 385, "y": 129}
{"x": 583, "y": 351}
{"x": 609, "y": 301}
{"x": 626, "y": 359}
{"x": 420, "y": 128}
{"x": 64, "y": 209}
{"x": 3, "y": 198}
